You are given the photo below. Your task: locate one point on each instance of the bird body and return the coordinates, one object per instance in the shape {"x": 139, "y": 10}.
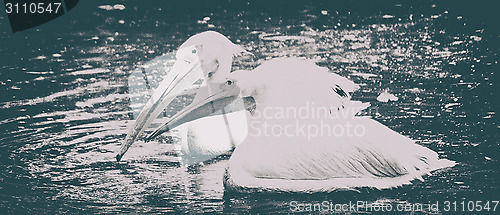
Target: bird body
{"x": 380, "y": 159}
{"x": 208, "y": 137}
{"x": 325, "y": 155}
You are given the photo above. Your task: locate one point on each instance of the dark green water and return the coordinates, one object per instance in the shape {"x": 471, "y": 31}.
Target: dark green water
{"x": 65, "y": 105}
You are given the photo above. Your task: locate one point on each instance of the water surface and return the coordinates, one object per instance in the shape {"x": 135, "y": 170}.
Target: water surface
{"x": 65, "y": 103}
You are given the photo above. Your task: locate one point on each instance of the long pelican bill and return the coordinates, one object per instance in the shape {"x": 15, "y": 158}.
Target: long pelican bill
{"x": 185, "y": 71}
{"x": 205, "y": 103}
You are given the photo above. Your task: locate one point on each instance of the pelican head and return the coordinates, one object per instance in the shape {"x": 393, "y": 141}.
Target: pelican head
{"x": 213, "y": 51}
{"x": 208, "y": 54}
{"x": 204, "y": 105}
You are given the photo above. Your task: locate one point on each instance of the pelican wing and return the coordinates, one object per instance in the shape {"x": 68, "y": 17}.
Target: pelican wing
{"x": 307, "y": 82}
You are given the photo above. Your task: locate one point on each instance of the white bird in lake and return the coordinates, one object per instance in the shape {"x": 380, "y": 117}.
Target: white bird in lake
{"x": 279, "y": 155}
{"x": 207, "y": 56}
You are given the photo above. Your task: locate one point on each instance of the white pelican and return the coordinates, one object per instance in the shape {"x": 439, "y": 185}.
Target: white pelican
{"x": 303, "y": 161}
{"x": 208, "y": 56}
{"x": 297, "y": 162}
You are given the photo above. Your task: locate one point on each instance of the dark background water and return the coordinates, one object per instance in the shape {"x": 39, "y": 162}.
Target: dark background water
{"x": 65, "y": 105}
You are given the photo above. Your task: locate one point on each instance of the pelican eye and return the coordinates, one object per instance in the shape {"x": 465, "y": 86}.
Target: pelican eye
{"x": 194, "y": 51}
{"x": 229, "y": 82}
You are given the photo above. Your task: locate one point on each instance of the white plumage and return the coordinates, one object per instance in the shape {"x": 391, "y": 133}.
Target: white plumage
{"x": 294, "y": 160}
{"x": 379, "y": 158}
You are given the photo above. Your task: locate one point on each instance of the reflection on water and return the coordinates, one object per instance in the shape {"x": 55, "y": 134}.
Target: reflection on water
{"x": 67, "y": 104}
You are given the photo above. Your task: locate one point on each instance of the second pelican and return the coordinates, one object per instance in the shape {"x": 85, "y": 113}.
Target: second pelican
{"x": 304, "y": 135}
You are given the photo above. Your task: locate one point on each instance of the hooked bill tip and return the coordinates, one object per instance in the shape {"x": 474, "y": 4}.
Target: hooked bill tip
{"x": 151, "y": 136}
{"x": 156, "y": 133}
{"x": 118, "y": 157}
